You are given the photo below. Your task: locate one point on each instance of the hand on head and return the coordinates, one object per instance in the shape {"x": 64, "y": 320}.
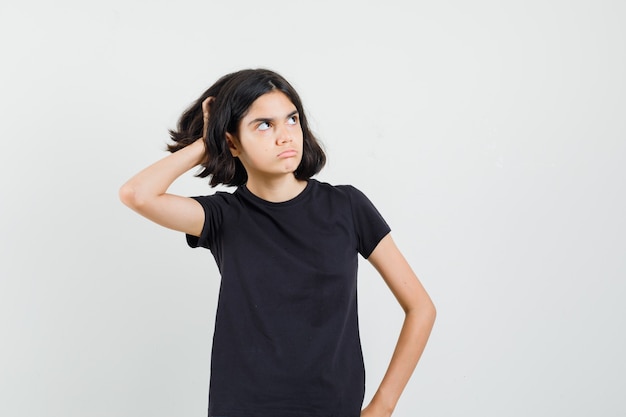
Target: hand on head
{"x": 206, "y": 108}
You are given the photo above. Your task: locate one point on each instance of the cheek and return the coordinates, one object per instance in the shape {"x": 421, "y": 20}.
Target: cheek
{"x": 259, "y": 153}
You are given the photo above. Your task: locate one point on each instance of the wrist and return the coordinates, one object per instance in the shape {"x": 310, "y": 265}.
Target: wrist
{"x": 199, "y": 150}
{"x": 378, "y": 408}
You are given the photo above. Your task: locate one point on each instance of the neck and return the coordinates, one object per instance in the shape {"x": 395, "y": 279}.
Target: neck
{"x": 276, "y": 190}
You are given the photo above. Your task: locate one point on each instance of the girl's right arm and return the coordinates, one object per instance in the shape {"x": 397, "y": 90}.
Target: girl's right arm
{"x": 146, "y": 192}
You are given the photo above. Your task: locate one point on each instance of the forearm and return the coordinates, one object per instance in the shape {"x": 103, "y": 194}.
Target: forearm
{"x": 414, "y": 334}
{"x": 154, "y": 180}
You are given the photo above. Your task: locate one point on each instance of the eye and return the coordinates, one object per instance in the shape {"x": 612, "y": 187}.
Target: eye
{"x": 263, "y": 126}
{"x": 293, "y": 120}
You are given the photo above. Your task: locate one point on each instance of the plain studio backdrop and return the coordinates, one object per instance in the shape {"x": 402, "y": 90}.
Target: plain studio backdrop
{"x": 491, "y": 135}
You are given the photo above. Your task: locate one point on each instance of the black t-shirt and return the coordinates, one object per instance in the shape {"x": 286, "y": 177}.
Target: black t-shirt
{"x": 286, "y": 340}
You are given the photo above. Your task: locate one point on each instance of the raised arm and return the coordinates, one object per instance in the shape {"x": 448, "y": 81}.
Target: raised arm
{"x": 146, "y": 192}
{"x": 419, "y": 319}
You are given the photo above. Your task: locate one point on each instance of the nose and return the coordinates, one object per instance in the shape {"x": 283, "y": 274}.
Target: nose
{"x": 283, "y": 135}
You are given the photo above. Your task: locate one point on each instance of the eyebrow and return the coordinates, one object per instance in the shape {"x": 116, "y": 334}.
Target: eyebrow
{"x": 265, "y": 119}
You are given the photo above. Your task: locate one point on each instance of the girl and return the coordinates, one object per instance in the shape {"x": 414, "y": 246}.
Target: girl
{"x": 286, "y": 340}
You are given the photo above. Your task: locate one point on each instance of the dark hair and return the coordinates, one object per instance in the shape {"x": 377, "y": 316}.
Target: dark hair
{"x": 234, "y": 94}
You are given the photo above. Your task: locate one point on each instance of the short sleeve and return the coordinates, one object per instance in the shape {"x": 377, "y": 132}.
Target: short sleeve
{"x": 370, "y": 225}
{"x": 214, "y": 208}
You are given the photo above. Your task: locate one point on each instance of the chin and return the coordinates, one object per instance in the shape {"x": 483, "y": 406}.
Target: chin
{"x": 291, "y": 168}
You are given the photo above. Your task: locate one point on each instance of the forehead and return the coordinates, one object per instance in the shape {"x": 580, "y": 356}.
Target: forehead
{"x": 273, "y": 103}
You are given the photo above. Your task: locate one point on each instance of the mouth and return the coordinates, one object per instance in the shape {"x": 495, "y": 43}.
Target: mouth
{"x": 288, "y": 153}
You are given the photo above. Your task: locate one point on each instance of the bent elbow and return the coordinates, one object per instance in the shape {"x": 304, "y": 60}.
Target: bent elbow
{"x": 427, "y": 311}
{"x": 431, "y": 312}
{"x": 128, "y": 196}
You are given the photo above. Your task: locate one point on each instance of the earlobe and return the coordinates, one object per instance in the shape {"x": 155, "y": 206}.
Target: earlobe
{"x": 232, "y": 145}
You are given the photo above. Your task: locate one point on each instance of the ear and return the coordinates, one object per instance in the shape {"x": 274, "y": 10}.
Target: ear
{"x": 231, "y": 141}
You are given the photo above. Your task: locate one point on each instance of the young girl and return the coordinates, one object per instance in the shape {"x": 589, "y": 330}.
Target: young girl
{"x": 286, "y": 340}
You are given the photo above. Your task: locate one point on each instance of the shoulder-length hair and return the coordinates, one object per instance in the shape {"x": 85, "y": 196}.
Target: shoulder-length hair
{"x": 234, "y": 94}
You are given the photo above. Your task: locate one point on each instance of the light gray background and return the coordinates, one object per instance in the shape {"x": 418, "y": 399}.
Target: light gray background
{"x": 490, "y": 134}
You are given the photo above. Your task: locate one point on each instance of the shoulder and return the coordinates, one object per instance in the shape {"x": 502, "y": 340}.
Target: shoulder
{"x": 218, "y": 209}
{"x": 217, "y": 204}
{"x": 348, "y": 192}
{"x": 345, "y": 190}
{"x": 219, "y": 197}
{"x": 349, "y": 196}
{"x": 369, "y": 225}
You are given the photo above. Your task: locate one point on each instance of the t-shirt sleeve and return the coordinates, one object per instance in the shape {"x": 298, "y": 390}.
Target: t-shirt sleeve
{"x": 214, "y": 206}
{"x": 370, "y": 225}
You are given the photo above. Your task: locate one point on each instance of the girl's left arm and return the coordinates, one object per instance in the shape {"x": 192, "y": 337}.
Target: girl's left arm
{"x": 419, "y": 319}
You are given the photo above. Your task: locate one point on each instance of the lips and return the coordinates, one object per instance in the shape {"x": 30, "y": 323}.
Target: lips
{"x": 288, "y": 153}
